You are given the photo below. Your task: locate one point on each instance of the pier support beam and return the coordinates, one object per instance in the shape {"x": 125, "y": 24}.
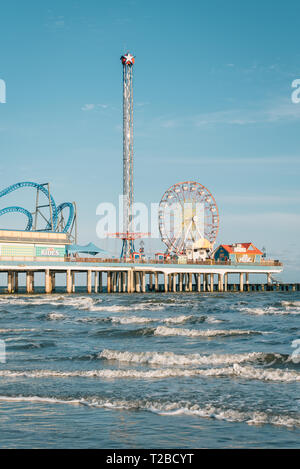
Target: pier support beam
{"x": 137, "y": 282}
{"x": 69, "y": 281}
{"x": 226, "y": 281}
{"x": 241, "y": 281}
{"x": 132, "y": 281}
{"x": 156, "y": 281}
{"x": 128, "y": 282}
{"x": 170, "y": 282}
{"x": 130, "y": 288}
{"x": 211, "y": 283}
{"x": 165, "y": 282}
{"x": 190, "y": 282}
{"x": 143, "y": 275}
{"x": 96, "y": 282}
{"x": 123, "y": 287}
{"x": 73, "y": 282}
{"x": 16, "y": 282}
{"x": 204, "y": 278}
{"x": 174, "y": 283}
{"x": 48, "y": 283}
{"x": 108, "y": 282}
{"x": 184, "y": 282}
{"x": 100, "y": 283}
{"x": 113, "y": 282}
{"x": 180, "y": 282}
{"x": 150, "y": 282}
{"x": 198, "y": 283}
{"x": 30, "y": 281}
{"x": 52, "y": 280}
{"x": 247, "y": 281}
{"x": 221, "y": 282}
{"x": 10, "y": 281}
{"x": 89, "y": 281}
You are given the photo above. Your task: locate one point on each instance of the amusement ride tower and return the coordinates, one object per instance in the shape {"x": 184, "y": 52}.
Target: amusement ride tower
{"x": 128, "y": 241}
{"x": 128, "y": 235}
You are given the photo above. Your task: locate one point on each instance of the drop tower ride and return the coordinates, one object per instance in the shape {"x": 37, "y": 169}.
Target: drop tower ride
{"x": 128, "y": 238}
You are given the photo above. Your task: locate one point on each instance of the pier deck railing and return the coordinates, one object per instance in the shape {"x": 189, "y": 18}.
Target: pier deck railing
{"x": 100, "y": 260}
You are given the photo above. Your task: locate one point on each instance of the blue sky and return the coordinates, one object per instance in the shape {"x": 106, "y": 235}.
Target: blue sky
{"x": 212, "y": 90}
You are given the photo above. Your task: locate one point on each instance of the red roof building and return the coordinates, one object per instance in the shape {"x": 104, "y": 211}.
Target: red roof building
{"x": 238, "y": 252}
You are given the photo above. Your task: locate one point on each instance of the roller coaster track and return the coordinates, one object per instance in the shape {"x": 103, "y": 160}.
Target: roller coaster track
{"x": 20, "y": 210}
{"x": 70, "y": 206}
{"x": 55, "y": 211}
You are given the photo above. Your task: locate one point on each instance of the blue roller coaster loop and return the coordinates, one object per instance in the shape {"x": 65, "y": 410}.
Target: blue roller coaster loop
{"x": 20, "y": 185}
{"x": 20, "y": 210}
{"x": 70, "y": 206}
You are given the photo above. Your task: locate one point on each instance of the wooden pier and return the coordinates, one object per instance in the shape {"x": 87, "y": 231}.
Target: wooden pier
{"x": 141, "y": 278}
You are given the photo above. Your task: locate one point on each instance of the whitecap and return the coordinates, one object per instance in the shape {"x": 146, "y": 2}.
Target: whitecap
{"x": 55, "y": 316}
{"x": 170, "y": 409}
{"x": 168, "y": 331}
{"x": 244, "y": 372}
{"x": 170, "y": 358}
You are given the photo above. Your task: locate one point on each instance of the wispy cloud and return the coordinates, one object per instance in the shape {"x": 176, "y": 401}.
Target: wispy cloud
{"x": 282, "y": 111}
{"x": 265, "y": 199}
{"x": 208, "y": 160}
{"x": 141, "y": 103}
{"x": 88, "y": 107}
{"x": 92, "y": 107}
{"x": 55, "y": 21}
{"x": 59, "y": 22}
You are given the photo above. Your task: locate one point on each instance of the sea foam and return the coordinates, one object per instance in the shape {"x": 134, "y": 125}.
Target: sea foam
{"x": 168, "y": 331}
{"x": 170, "y": 358}
{"x": 169, "y": 409}
{"x": 236, "y": 370}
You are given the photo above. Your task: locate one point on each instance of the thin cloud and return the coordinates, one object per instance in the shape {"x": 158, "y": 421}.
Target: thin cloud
{"x": 55, "y": 22}
{"x": 92, "y": 107}
{"x": 208, "y": 160}
{"x": 265, "y": 199}
{"x": 282, "y": 111}
{"x": 60, "y": 22}
{"x": 141, "y": 103}
{"x": 88, "y": 107}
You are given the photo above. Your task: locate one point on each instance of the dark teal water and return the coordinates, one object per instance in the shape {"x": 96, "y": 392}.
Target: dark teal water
{"x": 150, "y": 371}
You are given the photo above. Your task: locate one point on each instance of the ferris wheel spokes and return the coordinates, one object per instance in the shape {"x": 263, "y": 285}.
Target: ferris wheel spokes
{"x": 188, "y": 218}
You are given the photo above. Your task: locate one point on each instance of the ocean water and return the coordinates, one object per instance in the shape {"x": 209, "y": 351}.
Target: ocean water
{"x": 150, "y": 370}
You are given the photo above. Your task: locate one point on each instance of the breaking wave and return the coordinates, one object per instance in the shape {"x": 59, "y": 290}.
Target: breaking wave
{"x": 280, "y": 308}
{"x": 144, "y": 320}
{"x": 80, "y": 302}
{"x": 194, "y": 359}
{"x": 5, "y": 331}
{"x": 121, "y": 308}
{"x": 55, "y": 316}
{"x": 169, "y": 408}
{"x": 290, "y": 303}
{"x": 236, "y": 370}
{"x": 169, "y": 331}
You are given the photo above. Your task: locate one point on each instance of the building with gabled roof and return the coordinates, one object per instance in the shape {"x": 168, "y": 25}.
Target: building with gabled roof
{"x": 238, "y": 252}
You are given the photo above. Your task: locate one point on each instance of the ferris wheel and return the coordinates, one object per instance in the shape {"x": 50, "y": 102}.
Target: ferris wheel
{"x": 188, "y": 218}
